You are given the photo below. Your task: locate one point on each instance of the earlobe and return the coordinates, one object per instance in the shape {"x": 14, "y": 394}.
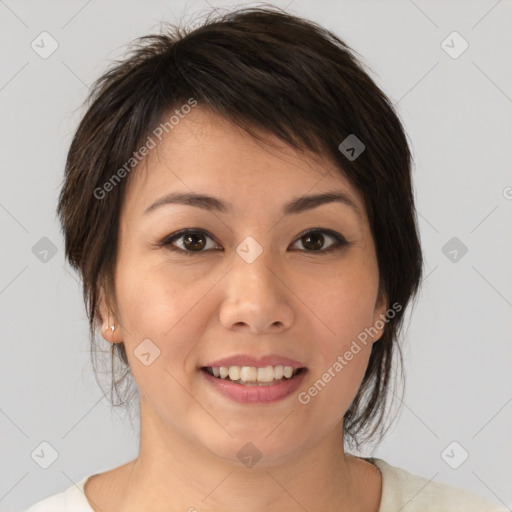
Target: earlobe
{"x": 380, "y": 317}
{"x": 110, "y": 329}
{"x": 382, "y": 307}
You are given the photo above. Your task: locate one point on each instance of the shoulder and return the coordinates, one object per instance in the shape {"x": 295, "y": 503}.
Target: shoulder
{"x": 420, "y": 494}
{"x": 71, "y": 499}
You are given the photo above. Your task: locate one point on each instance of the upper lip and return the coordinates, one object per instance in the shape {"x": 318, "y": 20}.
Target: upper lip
{"x": 248, "y": 360}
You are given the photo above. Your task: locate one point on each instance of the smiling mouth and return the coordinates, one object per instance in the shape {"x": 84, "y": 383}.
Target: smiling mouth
{"x": 253, "y": 376}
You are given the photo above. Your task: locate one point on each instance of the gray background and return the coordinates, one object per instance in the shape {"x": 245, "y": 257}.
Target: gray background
{"x": 457, "y": 347}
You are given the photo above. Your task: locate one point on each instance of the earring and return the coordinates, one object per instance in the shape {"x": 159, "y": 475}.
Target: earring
{"x": 107, "y": 325}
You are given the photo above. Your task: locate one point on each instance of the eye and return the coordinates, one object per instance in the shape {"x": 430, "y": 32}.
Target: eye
{"x": 196, "y": 241}
{"x": 192, "y": 241}
{"x": 314, "y": 240}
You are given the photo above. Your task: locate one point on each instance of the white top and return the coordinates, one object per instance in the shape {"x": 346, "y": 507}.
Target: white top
{"x": 399, "y": 488}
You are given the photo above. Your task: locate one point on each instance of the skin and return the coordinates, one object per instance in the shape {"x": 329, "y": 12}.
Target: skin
{"x": 294, "y": 301}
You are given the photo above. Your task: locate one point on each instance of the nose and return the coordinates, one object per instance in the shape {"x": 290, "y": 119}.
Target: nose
{"x": 257, "y": 298}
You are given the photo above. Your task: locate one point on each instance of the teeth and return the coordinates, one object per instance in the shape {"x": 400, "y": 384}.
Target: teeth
{"x": 234, "y": 372}
{"x": 266, "y": 374}
{"x": 252, "y": 374}
{"x": 248, "y": 373}
{"x": 278, "y": 372}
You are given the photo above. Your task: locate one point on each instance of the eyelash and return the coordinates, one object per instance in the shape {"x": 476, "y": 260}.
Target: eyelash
{"x": 339, "y": 244}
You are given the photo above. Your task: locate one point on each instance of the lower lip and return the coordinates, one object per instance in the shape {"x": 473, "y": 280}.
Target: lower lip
{"x": 255, "y": 394}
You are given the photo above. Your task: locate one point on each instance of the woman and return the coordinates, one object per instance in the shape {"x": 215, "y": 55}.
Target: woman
{"x": 238, "y": 201}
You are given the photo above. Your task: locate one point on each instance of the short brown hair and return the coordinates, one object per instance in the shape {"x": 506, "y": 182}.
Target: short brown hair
{"x": 266, "y": 69}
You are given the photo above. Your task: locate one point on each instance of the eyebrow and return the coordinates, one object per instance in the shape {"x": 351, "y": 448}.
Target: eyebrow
{"x": 297, "y": 205}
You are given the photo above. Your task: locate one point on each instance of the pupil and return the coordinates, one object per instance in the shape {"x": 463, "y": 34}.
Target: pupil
{"x": 194, "y": 243}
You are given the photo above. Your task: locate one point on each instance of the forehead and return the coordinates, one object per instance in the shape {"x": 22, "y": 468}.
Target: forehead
{"x": 207, "y": 154}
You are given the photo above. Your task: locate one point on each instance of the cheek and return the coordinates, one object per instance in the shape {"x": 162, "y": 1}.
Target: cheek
{"x": 154, "y": 298}
{"x": 344, "y": 302}
{"x": 347, "y": 315}
{"x": 159, "y": 319}
{"x": 168, "y": 308}
{"x": 342, "y": 358}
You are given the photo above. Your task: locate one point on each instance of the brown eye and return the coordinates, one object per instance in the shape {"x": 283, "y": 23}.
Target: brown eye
{"x": 194, "y": 242}
{"x": 197, "y": 241}
{"x": 314, "y": 240}
{"x": 191, "y": 241}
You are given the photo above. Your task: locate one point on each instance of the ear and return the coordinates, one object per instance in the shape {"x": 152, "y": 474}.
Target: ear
{"x": 108, "y": 319}
{"x": 379, "y": 315}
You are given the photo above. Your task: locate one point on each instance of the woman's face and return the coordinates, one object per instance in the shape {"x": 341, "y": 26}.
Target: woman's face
{"x": 248, "y": 283}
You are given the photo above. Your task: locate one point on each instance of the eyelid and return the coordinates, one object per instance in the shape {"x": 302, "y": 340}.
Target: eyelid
{"x": 340, "y": 240}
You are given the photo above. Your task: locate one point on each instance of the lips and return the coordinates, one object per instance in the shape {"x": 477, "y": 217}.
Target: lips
{"x": 255, "y": 394}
